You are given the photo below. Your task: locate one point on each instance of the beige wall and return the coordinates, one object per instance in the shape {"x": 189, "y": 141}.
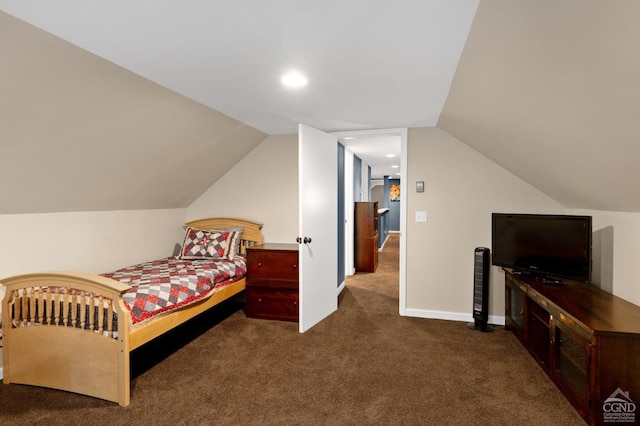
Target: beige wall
{"x": 94, "y": 242}
{"x": 377, "y": 194}
{"x": 462, "y": 189}
{"x": 262, "y": 187}
{"x": 625, "y": 229}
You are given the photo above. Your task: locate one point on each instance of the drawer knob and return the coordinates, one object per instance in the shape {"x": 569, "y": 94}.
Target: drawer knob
{"x": 259, "y": 264}
{"x": 260, "y": 299}
{"x": 295, "y": 266}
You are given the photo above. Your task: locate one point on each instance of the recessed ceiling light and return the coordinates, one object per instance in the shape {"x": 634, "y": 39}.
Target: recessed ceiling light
{"x": 394, "y": 167}
{"x": 294, "y": 79}
{"x": 390, "y": 155}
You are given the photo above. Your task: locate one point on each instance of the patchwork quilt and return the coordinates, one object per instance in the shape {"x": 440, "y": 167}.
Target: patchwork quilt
{"x": 167, "y": 284}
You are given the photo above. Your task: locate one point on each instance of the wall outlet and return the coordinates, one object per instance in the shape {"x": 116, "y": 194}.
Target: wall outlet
{"x": 421, "y": 216}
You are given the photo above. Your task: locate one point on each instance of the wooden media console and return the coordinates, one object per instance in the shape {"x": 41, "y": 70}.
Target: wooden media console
{"x": 585, "y": 339}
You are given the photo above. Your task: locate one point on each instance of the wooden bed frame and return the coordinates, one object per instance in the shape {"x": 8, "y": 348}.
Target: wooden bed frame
{"x": 83, "y": 360}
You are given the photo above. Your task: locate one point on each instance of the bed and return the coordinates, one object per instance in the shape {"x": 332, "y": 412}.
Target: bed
{"x": 74, "y": 331}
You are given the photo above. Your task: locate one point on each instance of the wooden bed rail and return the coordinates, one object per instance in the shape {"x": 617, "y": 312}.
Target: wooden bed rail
{"x": 74, "y": 299}
{"x": 53, "y": 310}
{"x": 78, "y": 280}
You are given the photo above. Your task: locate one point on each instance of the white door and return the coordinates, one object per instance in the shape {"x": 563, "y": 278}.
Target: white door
{"x": 348, "y": 213}
{"x": 318, "y": 222}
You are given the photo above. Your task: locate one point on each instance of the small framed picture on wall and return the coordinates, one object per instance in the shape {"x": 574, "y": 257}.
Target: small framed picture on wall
{"x": 394, "y": 193}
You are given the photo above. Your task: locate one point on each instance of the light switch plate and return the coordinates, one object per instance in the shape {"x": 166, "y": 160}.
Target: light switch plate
{"x": 419, "y": 186}
{"x": 421, "y": 216}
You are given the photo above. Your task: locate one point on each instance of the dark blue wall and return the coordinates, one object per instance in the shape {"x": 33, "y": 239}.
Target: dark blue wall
{"x": 341, "y": 215}
{"x": 386, "y": 192}
{"x": 368, "y": 188}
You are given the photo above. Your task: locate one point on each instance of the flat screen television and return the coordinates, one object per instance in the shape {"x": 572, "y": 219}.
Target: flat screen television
{"x": 552, "y": 246}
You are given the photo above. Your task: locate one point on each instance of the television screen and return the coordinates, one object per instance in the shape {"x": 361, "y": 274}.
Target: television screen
{"x": 553, "y": 246}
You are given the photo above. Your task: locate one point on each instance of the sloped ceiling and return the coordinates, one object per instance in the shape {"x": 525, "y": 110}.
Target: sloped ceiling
{"x": 546, "y": 88}
{"x": 79, "y": 133}
{"x": 138, "y": 122}
{"x": 369, "y": 64}
{"x": 551, "y": 91}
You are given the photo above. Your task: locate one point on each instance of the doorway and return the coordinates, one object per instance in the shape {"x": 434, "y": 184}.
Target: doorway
{"x": 368, "y": 145}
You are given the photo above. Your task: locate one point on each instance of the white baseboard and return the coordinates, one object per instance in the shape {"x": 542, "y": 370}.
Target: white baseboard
{"x": 450, "y": 316}
{"x": 383, "y": 243}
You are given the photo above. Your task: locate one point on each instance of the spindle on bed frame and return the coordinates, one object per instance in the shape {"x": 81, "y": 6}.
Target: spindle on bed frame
{"x": 47, "y": 306}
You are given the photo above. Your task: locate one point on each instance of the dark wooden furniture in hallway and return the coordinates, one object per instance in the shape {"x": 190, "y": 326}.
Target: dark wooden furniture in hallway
{"x": 366, "y": 236}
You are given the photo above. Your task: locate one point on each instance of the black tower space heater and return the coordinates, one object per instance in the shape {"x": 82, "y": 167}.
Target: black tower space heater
{"x": 481, "y": 263}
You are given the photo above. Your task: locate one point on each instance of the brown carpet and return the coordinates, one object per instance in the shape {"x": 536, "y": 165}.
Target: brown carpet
{"x": 364, "y": 365}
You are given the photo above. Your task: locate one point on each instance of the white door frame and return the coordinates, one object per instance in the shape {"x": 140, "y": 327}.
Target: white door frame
{"x": 402, "y": 132}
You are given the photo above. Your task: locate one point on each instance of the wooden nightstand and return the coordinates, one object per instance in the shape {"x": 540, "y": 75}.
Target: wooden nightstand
{"x": 272, "y": 282}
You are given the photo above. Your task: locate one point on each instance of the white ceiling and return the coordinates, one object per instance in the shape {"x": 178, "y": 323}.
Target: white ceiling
{"x": 370, "y": 64}
{"x": 381, "y": 153}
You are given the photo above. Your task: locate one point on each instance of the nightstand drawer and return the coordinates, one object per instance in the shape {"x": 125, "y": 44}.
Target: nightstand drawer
{"x": 270, "y": 264}
{"x": 275, "y": 283}
{"x": 272, "y": 304}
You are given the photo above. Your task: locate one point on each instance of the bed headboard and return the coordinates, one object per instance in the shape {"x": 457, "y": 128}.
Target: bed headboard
{"x": 250, "y": 236}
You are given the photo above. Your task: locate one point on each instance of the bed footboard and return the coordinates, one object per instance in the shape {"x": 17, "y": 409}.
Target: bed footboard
{"x": 67, "y": 331}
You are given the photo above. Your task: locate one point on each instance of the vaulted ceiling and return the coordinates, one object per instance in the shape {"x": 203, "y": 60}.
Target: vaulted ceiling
{"x": 550, "y": 90}
{"x": 92, "y": 90}
{"x": 369, "y": 64}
